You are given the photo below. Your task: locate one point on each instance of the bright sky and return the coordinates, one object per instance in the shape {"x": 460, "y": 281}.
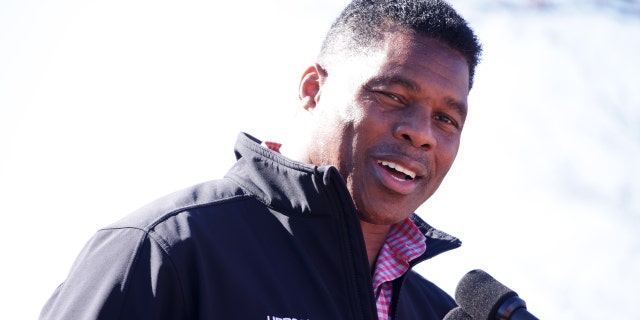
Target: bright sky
{"x": 105, "y": 106}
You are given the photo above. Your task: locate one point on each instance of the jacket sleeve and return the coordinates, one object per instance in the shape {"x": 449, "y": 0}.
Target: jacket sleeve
{"x": 119, "y": 274}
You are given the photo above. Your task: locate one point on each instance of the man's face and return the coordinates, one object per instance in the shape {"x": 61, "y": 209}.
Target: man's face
{"x": 390, "y": 122}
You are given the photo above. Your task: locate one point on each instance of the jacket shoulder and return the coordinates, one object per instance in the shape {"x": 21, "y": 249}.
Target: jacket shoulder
{"x": 208, "y": 193}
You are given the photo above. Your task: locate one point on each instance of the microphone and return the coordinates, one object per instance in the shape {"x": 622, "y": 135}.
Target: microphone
{"x": 457, "y": 314}
{"x": 484, "y": 298}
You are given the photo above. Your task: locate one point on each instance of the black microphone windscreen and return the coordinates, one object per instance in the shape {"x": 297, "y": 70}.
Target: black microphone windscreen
{"x": 480, "y": 295}
{"x": 457, "y": 314}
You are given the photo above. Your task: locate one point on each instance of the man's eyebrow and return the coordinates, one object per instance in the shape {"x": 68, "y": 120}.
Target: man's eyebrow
{"x": 458, "y": 106}
{"x": 395, "y": 80}
{"x": 413, "y": 86}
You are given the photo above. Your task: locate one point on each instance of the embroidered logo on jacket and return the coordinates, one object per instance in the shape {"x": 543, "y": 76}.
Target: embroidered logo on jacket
{"x": 284, "y": 318}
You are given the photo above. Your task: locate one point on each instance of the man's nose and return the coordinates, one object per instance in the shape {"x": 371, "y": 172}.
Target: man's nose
{"x": 417, "y": 130}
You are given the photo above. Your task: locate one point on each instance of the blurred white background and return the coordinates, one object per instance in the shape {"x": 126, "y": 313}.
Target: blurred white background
{"x": 105, "y": 106}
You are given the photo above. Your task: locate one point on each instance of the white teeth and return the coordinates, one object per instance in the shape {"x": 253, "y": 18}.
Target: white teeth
{"x": 398, "y": 167}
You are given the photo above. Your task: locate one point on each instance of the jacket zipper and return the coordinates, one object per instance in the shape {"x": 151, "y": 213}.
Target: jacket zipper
{"x": 352, "y": 240}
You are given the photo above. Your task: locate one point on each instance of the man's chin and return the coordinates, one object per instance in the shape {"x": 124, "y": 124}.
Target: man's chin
{"x": 386, "y": 208}
{"x": 382, "y": 218}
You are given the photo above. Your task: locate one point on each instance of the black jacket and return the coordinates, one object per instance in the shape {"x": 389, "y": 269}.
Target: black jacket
{"x": 274, "y": 239}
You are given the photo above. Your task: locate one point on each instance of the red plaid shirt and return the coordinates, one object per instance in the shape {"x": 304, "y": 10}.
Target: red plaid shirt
{"x": 404, "y": 243}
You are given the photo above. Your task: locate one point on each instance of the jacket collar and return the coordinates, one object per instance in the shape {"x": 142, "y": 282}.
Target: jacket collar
{"x": 437, "y": 241}
{"x": 281, "y": 183}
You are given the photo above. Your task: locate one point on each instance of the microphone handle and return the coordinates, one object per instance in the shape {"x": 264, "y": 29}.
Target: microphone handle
{"x": 522, "y": 314}
{"x": 514, "y": 308}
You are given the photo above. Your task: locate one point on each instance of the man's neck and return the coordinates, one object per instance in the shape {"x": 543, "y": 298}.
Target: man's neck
{"x": 374, "y": 237}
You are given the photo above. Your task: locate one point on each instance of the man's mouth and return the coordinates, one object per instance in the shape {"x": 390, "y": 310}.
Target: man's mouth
{"x": 397, "y": 171}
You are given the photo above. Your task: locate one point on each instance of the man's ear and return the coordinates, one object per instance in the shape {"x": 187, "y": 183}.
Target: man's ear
{"x": 310, "y": 86}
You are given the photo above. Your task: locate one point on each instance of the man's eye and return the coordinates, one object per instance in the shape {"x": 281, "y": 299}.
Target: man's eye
{"x": 390, "y": 96}
{"x": 446, "y": 120}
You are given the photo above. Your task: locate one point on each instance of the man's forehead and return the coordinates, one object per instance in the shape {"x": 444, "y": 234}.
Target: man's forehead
{"x": 408, "y": 60}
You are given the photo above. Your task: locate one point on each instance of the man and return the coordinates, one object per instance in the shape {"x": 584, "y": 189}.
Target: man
{"x": 329, "y": 236}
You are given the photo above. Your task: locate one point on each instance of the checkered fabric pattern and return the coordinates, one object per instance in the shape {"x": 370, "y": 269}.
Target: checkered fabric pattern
{"x": 404, "y": 243}
{"x": 272, "y": 145}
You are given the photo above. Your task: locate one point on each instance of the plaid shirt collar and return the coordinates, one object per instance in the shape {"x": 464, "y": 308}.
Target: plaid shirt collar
{"x": 405, "y": 242}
